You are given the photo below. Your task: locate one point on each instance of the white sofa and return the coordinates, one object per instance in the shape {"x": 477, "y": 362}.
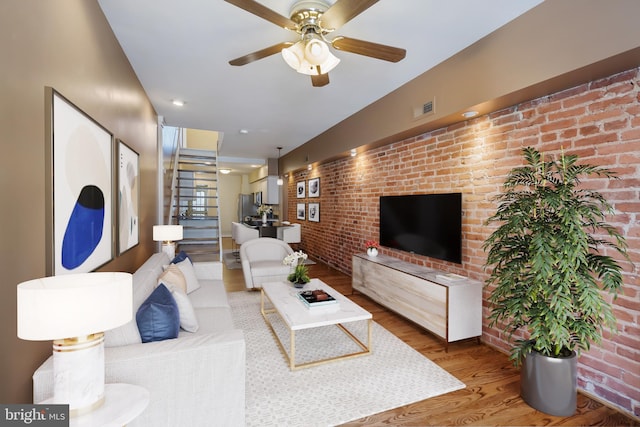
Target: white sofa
{"x": 197, "y": 379}
{"x": 262, "y": 261}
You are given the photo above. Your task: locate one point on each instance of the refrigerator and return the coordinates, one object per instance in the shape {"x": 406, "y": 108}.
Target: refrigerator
{"x": 246, "y": 207}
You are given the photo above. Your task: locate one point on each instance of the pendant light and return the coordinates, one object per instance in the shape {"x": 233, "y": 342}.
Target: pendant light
{"x": 280, "y": 181}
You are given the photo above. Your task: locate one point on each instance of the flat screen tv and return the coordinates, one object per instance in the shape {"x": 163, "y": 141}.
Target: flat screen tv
{"x": 424, "y": 224}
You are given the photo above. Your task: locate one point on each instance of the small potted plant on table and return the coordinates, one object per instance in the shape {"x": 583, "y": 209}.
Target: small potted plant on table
{"x": 299, "y": 275}
{"x": 372, "y": 247}
{"x": 547, "y": 271}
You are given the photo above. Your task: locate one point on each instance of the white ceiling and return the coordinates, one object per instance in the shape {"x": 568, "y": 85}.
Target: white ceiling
{"x": 180, "y": 50}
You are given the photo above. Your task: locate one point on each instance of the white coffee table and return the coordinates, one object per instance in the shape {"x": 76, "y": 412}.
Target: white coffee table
{"x": 296, "y": 316}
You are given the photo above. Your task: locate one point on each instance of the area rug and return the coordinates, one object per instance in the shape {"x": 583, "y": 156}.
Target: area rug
{"x": 334, "y": 393}
{"x": 230, "y": 260}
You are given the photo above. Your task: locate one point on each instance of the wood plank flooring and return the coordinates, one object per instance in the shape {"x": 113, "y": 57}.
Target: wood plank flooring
{"x": 492, "y": 395}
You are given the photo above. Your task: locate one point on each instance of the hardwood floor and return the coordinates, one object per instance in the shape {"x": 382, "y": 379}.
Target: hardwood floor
{"x": 492, "y": 393}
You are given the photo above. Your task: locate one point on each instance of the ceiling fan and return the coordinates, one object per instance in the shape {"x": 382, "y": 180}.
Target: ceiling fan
{"x": 313, "y": 20}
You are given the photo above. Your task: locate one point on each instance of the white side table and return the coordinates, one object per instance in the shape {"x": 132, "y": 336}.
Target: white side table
{"x": 122, "y": 404}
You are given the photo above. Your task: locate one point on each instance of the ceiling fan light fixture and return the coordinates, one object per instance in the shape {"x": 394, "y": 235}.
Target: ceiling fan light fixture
{"x": 297, "y": 57}
{"x": 328, "y": 64}
{"x": 294, "y": 55}
{"x": 316, "y": 51}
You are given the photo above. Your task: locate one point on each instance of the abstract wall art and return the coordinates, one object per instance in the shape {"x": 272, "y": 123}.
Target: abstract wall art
{"x": 128, "y": 197}
{"x": 300, "y": 190}
{"x": 80, "y": 177}
{"x": 314, "y": 187}
{"x": 314, "y": 212}
{"x": 300, "y": 211}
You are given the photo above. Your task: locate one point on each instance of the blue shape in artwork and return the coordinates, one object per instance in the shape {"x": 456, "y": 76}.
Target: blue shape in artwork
{"x": 84, "y": 230}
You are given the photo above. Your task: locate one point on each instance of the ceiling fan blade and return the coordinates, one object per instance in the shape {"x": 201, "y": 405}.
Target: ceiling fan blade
{"x": 254, "y": 56}
{"x": 343, "y": 11}
{"x": 374, "y": 50}
{"x": 264, "y": 13}
{"x": 320, "y": 80}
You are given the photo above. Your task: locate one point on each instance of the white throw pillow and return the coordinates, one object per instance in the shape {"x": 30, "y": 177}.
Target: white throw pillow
{"x": 172, "y": 275}
{"x": 189, "y": 274}
{"x": 188, "y": 320}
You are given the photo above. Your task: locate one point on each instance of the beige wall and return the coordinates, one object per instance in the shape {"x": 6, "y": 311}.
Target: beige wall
{"x": 230, "y": 187}
{"x": 202, "y": 139}
{"x": 69, "y": 46}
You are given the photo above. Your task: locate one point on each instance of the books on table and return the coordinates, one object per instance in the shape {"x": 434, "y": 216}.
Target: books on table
{"x": 316, "y": 298}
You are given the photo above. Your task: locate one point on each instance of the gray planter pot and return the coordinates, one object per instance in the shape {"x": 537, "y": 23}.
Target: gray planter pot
{"x": 549, "y": 384}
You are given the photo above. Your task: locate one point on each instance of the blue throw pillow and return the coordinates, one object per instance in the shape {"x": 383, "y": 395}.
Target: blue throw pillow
{"x": 158, "y": 317}
{"x": 180, "y": 257}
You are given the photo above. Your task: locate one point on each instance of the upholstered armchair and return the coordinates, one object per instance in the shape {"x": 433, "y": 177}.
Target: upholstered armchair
{"x": 262, "y": 261}
{"x": 291, "y": 234}
{"x": 240, "y": 233}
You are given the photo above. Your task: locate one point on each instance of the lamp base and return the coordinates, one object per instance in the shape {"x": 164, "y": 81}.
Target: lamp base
{"x": 169, "y": 248}
{"x": 78, "y": 373}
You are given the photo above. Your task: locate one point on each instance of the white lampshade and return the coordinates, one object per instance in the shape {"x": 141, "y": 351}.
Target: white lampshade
{"x": 73, "y": 305}
{"x": 316, "y": 51}
{"x": 294, "y": 55}
{"x": 167, "y": 233}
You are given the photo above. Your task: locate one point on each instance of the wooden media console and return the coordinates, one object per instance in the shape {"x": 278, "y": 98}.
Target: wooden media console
{"x": 448, "y": 305}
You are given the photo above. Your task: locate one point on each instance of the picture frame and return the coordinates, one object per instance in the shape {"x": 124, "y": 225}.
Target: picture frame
{"x": 128, "y": 197}
{"x": 300, "y": 190}
{"x": 314, "y": 187}
{"x": 314, "y": 212}
{"x": 300, "y": 211}
{"x": 79, "y": 204}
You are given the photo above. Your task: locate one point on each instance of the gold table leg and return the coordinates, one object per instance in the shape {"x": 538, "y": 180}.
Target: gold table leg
{"x": 291, "y": 355}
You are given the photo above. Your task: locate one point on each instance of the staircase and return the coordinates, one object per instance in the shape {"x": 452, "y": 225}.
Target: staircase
{"x": 194, "y": 203}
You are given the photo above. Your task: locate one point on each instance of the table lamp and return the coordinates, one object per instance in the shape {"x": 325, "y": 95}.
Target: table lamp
{"x": 74, "y": 310}
{"x": 167, "y": 234}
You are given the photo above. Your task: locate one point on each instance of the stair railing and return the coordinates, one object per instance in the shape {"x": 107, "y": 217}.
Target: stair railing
{"x": 174, "y": 178}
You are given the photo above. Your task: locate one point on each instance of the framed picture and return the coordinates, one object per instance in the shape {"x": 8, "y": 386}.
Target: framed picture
{"x": 79, "y": 168}
{"x": 314, "y": 212}
{"x": 300, "y": 211}
{"x": 300, "y": 190}
{"x": 128, "y": 197}
{"x": 314, "y": 187}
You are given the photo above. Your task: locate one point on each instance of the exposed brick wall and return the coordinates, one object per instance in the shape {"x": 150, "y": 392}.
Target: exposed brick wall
{"x": 600, "y": 121}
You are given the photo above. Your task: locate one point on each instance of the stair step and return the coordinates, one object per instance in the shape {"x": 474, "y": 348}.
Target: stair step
{"x": 186, "y": 187}
{"x": 191, "y": 178}
{"x": 194, "y": 170}
{"x": 182, "y": 199}
{"x": 197, "y": 152}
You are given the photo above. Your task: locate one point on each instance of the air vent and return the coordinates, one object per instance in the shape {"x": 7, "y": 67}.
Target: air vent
{"x": 426, "y": 109}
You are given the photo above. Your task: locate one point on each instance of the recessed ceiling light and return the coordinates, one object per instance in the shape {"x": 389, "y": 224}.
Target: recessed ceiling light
{"x": 225, "y": 171}
{"x": 469, "y": 114}
{"x": 255, "y": 166}
{"x": 244, "y": 131}
{"x": 178, "y": 103}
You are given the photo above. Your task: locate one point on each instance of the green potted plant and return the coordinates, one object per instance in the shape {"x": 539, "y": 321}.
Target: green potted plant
{"x": 547, "y": 272}
{"x": 299, "y": 275}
